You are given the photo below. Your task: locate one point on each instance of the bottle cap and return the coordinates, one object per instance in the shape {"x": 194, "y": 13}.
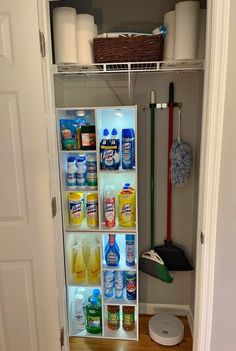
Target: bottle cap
{"x": 114, "y": 131}
{"x": 71, "y": 159}
{"x": 106, "y": 132}
{"x": 81, "y": 158}
{"x": 96, "y": 292}
{"x": 129, "y": 237}
{"x": 127, "y": 184}
{"x": 94, "y": 300}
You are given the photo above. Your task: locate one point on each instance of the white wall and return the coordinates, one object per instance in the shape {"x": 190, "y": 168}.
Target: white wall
{"x": 224, "y": 308}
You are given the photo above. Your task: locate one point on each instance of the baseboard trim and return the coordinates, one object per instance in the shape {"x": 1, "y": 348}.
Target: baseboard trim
{"x": 177, "y": 310}
{"x": 152, "y": 308}
{"x": 190, "y": 320}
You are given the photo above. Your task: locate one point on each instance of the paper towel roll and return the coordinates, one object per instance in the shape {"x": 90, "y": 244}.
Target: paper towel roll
{"x": 186, "y": 30}
{"x": 85, "y": 36}
{"x": 202, "y": 35}
{"x": 64, "y": 33}
{"x": 169, "y": 43}
{"x": 95, "y": 30}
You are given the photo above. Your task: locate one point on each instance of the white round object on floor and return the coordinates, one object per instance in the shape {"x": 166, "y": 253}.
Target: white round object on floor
{"x": 166, "y": 329}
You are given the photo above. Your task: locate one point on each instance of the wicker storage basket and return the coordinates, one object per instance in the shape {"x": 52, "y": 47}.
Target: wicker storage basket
{"x": 141, "y": 48}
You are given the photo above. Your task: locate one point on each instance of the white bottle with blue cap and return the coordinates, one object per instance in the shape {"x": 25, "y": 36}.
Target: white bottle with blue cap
{"x": 71, "y": 173}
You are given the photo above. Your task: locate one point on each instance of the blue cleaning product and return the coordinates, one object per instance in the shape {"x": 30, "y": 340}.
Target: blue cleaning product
{"x": 106, "y": 160}
{"x": 133, "y": 147}
{"x": 112, "y": 254}
{"x": 130, "y": 250}
{"x": 115, "y": 146}
{"x": 128, "y": 148}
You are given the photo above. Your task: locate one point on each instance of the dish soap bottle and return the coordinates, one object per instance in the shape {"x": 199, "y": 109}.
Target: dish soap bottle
{"x": 93, "y": 266}
{"x": 79, "y": 265}
{"x": 112, "y": 254}
{"x": 94, "y": 316}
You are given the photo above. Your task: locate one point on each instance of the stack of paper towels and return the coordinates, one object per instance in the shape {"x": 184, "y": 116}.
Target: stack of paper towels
{"x": 186, "y": 31}
{"x": 73, "y": 36}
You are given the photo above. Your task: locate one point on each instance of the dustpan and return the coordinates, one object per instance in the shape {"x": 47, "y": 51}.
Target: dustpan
{"x": 150, "y": 262}
{"x": 173, "y": 256}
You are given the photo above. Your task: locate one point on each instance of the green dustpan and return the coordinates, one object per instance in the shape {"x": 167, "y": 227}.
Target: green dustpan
{"x": 150, "y": 262}
{"x": 153, "y": 265}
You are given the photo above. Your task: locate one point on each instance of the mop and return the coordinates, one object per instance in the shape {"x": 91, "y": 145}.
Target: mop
{"x": 173, "y": 256}
{"x": 181, "y": 159}
{"x": 150, "y": 262}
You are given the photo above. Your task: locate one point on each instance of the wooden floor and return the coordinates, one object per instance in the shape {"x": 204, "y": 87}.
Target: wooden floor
{"x": 92, "y": 344}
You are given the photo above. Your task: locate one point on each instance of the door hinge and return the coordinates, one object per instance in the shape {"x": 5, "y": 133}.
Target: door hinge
{"x": 42, "y": 44}
{"x": 62, "y": 337}
{"x": 54, "y": 207}
{"x": 202, "y": 238}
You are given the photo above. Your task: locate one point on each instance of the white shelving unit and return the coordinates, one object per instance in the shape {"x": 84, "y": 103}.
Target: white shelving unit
{"x": 105, "y": 117}
{"x": 130, "y": 67}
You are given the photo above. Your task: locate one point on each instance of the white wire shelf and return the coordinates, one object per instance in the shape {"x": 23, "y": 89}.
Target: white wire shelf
{"x": 130, "y": 67}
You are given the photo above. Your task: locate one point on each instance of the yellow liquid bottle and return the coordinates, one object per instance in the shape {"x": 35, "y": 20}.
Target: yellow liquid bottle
{"x": 79, "y": 265}
{"x": 93, "y": 267}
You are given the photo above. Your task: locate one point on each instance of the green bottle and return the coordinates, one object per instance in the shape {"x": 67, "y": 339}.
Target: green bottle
{"x": 94, "y": 316}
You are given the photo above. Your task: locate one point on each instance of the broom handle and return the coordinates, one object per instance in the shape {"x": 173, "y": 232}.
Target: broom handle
{"x": 153, "y": 108}
{"x": 170, "y": 136}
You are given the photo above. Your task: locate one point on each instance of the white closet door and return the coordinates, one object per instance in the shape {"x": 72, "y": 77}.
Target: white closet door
{"x": 28, "y": 290}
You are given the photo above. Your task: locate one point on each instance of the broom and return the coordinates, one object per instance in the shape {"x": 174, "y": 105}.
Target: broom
{"x": 173, "y": 256}
{"x": 150, "y": 262}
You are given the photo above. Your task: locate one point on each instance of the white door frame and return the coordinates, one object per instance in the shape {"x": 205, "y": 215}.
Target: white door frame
{"x": 212, "y": 128}
{"x": 43, "y": 7}
{"x": 211, "y": 146}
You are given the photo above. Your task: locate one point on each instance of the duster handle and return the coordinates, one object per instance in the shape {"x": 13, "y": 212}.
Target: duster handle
{"x": 170, "y": 137}
{"x": 179, "y": 124}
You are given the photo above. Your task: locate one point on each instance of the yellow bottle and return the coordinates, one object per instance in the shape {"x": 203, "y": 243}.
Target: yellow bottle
{"x": 126, "y": 207}
{"x": 72, "y": 260}
{"x": 93, "y": 266}
{"x": 79, "y": 265}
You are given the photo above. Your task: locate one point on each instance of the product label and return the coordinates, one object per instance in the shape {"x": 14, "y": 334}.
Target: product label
{"x": 128, "y": 319}
{"x": 108, "y": 279}
{"x": 119, "y": 279}
{"x": 92, "y": 214}
{"x": 107, "y": 157}
{"x": 76, "y": 212}
{"x": 92, "y": 321}
{"x": 130, "y": 260}
{"x": 113, "y": 317}
{"x": 112, "y": 258}
{"x": 109, "y": 212}
{"x": 126, "y": 211}
{"x": 71, "y": 179}
{"x": 131, "y": 287}
{"x": 88, "y": 139}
